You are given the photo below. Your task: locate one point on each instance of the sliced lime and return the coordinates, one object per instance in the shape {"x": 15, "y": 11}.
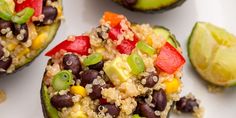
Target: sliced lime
{"x": 212, "y": 52}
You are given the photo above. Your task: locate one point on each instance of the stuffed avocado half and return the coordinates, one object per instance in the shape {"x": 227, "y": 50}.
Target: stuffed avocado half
{"x": 114, "y": 70}
{"x": 150, "y": 5}
{"x": 26, "y": 28}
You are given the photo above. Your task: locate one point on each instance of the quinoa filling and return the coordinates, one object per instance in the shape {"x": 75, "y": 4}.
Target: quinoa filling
{"x": 21, "y": 42}
{"x": 114, "y": 73}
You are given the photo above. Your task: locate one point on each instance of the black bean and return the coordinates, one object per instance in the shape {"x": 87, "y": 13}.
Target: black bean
{"x": 88, "y": 76}
{"x": 50, "y": 14}
{"x": 146, "y": 111}
{"x": 97, "y": 89}
{"x": 98, "y": 66}
{"x": 72, "y": 62}
{"x": 186, "y": 105}
{"x": 19, "y": 29}
{"x": 5, "y": 64}
{"x": 150, "y": 80}
{"x": 1, "y": 51}
{"x": 5, "y": 25}
{"x": 60, "y": 101}
{"x": 159, "y": 99}
{"x": 102, "y": 31}
{"x": 129, "y": 3}
{"x": 112, "y": 109}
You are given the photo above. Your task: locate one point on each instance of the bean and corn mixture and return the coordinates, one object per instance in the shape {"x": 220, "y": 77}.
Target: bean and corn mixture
{"x": 117, "y": 70}
{"x": 24, "y": 30}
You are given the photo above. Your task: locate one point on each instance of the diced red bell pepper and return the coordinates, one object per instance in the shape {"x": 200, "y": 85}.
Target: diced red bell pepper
{"x": 79, "y": 45}
{"x": 169, "y": 59}
{"x": 127, "y": 46}
{"x": 37, "y": 5}
{"x": 114, "y": 32}
{"x": 102, "y": 101}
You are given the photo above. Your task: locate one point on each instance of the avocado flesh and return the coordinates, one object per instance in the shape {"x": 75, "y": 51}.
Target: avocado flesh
{"x": 50, "y": 112}
{"x": 154, "y": 5}
{"x": 212, "y": 52}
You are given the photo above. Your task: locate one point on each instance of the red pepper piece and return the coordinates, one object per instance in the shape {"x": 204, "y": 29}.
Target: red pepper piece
{"x": 37, "y": 5}
{"x": 102, "y": 101}
{"x": 169, "y": 59}
{"x": 127, "y": 46}
{"x": 114, "y": 32}
{"x": 79, "y": 45}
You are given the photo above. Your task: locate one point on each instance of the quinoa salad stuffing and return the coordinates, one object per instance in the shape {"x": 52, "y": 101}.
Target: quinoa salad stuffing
{"x": 116, "y": 70}
{"x": 26, "y": 28}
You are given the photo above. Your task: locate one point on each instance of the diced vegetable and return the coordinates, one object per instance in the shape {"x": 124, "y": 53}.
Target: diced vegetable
{"x": 62, "y": 80}
{"x": 136, "y": 63}
{"x": 38, "y": 42}
{"x": 37, "y": 5}
{"x": 23, "y": 16}
{"x": 113, "y": 18}
{"x": 145, "y": 48}
{"x": 5, "y": 12}
{"x": 172, "y": 86}
{"x": 114, "y": 32}
{"x": 78, "y": 90}
{"x": 79, "y": 45}
{"x": 118, "y": 70}
{"x": 127, "y": 46}
{"x": 93, "y": 59}
{"x": 169, "y": 59}
{"x": 136, "y": 116}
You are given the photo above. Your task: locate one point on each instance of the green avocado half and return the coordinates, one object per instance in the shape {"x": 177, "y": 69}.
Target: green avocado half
{"x": 49, "y": 32}
{"x": 50, "y": 112}
{"x": 150, "y": 5}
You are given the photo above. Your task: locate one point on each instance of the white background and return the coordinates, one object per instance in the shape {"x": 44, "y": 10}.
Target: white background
{"x": 23, "y": 87}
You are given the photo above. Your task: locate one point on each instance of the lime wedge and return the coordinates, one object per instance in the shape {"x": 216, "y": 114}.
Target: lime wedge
{"x": 212, "y": 52}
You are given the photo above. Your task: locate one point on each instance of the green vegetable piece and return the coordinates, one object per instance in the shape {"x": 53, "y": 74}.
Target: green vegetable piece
{"x": 171, "y": 41}
{"x": 93, "y": 59}
{"x": 5, "y": 12}
{"x": 62, "y": 80}
{"x": 23, "y": 16}
{"x": 136, "y": 116}
{"x": 51, "y": 111}
{"x": 136, "y": 63}
{"x": 145, "y": 48}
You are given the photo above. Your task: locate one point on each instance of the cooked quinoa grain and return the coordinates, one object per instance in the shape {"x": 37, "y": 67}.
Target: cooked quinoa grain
{"x": 112, "y": 75}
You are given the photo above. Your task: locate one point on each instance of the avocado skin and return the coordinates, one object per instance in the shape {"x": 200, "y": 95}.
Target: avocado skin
{"x": 47, "y": 114}
{"x": 157, "y": 10}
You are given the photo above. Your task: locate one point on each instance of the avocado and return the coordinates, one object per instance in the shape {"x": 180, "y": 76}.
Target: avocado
{"x": 150, "y": 5}
{"x": 110, "y": 68}
{"x": 118, "y": 70}
{"x": 45, "y": 34}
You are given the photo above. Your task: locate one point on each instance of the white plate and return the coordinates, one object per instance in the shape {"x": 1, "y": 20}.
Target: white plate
{"x": 22, "y": 88}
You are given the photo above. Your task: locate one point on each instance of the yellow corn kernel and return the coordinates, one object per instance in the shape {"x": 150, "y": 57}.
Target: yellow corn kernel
{"x": 11, "y": 46}
{"x": 23, "y": 52}
{"x": 172, "y": 86}
{"x": 78, "y": 90}
{"x": 59, "y": 9}
{"x": 78, "y": 114}
{"x": 149, "y": 40}
{"x": 39, "y": 41}
{"x": 100, "y": 50}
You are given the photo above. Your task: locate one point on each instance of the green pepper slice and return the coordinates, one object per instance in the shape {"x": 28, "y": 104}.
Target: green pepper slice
{"x": 136, "y": 63}
{"x": 142, "y": 46}
{"x": 93, "y": 59}
{"x": 23, "y": 16}
{"x": 62, "y": 80}
{"x": 5, "y": 12}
